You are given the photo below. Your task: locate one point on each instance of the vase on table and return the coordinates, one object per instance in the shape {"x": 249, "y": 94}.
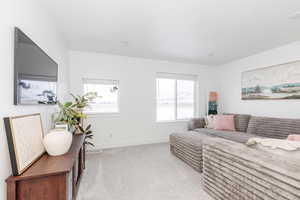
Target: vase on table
{"x": 58, "y": 142}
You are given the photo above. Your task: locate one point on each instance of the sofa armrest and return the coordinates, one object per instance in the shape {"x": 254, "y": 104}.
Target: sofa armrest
{"x": 196, "y": 123}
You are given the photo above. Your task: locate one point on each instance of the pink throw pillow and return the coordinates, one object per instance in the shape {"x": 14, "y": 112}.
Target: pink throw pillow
{"x": 294, "y": 138}
{"x": 224, "y": 122}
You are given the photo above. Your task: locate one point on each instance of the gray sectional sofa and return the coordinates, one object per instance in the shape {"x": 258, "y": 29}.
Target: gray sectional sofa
{"x": 231, "y": 170}
{"x": 188, "y": 145}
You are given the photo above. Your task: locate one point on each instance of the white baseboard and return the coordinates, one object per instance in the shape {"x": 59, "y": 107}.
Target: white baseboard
{"x": 98, "y": 149}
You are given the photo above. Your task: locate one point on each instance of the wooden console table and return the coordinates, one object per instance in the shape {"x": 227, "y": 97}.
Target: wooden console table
{"x": 51, "y": 177}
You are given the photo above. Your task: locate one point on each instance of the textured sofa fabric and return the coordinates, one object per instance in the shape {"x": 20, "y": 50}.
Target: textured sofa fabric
{"x": 273, "y": 127}
{"x": 236, "y": 172}
{"x": 241, "y": 122}
{"x": 233, "y": 171}
{"x": 196, "y": 123}
{"x": 188, "y": 147}
{"x": 236, "y": 136}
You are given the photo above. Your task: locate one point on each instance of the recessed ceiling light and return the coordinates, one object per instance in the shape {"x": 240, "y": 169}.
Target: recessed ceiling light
{"x": 295, "y": 15}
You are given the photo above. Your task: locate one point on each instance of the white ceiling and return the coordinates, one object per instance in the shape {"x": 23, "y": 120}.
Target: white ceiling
{"x": 196, "y": 31}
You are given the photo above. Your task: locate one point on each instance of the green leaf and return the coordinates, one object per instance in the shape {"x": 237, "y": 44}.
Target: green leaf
{"x": 89, "y": 136}
{"x": 68, "y": 104}
{"x": 89, "y": 143}
{"x": 81, "y": 129}
{"x": 88, "y": 127}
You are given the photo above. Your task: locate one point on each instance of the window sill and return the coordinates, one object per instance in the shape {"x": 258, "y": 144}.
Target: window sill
{"x": 95, "y": 114}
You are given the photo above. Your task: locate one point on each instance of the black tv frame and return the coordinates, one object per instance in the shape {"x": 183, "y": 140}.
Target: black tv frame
{"x": 16, "y": 80}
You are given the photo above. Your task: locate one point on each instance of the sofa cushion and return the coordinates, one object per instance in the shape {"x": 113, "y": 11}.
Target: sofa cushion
{"x": 273, "y": 127}
{"x": 241, "y": 121}
{"x": 224, "y": 122}
{"x": 209, "y": 121}
{"x": 240, "y": 137}
{"x": 196, "y": 123}
{"x": 294, "y": 138}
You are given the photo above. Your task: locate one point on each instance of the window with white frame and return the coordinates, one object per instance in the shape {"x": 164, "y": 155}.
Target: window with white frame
{"x": 175, "y": 97}
{"x": 107, "y": 100}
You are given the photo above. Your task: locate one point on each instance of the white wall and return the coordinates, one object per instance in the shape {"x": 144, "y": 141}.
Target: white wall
{"x": 28, "y": 16}
{"x": 230, "y": 84}
{"x": 136, "y": 122}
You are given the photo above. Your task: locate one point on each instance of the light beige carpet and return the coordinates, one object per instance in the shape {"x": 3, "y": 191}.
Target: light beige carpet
{"x": 147, "y": 172}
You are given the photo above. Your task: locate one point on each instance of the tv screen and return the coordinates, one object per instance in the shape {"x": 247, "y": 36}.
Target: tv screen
{"x": 35, "y": 76}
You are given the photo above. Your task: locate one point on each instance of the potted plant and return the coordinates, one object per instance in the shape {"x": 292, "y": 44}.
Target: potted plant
{"x": 72, "y": 113}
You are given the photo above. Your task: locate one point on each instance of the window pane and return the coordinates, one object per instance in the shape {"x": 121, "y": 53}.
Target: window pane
{"x": 107, "y": 100}
{"x": 185, "y": 99}
{"x": 165, "y": 99}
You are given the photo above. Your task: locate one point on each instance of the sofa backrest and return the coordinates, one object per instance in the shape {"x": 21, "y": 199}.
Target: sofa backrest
{"x": 269, "y": 127}
{"x": 241, "y": 121}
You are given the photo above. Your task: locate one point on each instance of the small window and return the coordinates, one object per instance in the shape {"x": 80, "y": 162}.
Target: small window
{"x": 107, "y": 100}
{"x": 175, "y": 96}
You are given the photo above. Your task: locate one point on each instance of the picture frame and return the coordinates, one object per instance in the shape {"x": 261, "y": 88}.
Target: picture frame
{"x": 276, "y": 82}
{"x": 212, "y": 107}
{"x": 25, "y": 141}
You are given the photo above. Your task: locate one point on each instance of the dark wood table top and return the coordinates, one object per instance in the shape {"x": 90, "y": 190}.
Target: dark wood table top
{"x": 51, "y": 165}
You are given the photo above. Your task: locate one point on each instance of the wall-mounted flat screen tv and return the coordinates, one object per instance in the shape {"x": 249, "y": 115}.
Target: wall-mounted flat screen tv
{"x": 35, "y": 75}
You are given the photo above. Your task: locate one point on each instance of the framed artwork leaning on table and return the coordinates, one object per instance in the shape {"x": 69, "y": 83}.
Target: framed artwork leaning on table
{"x": 25, "y": 141}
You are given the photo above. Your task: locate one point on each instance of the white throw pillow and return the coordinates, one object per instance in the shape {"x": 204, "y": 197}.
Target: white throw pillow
{"x": 209, "y": 121}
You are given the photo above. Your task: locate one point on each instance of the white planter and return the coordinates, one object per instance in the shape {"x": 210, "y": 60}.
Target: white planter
{"x": 58, "y": 142}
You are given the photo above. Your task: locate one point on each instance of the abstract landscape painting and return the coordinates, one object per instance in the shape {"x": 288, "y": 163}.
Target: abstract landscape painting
{"x": 275, "y": 82}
